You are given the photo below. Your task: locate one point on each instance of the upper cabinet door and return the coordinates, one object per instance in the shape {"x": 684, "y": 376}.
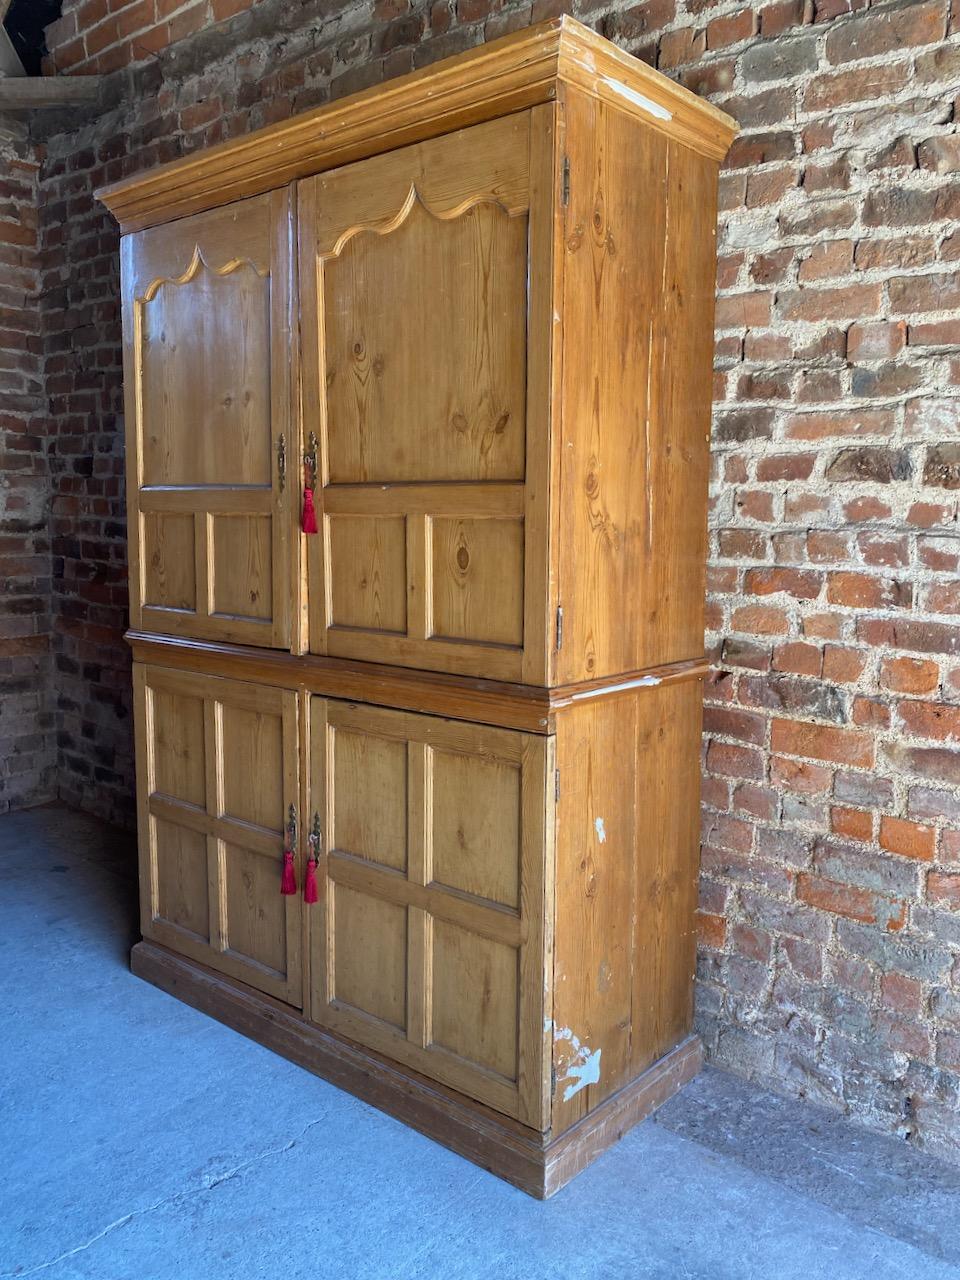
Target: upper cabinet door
{"x": 426, "y": 329}
{"x": 212, "y": 470}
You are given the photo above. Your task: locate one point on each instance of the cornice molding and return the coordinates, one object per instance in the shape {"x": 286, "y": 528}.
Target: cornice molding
{"x": 521, "y": 70}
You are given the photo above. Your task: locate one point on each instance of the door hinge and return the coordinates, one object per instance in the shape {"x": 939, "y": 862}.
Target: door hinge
{"x": 560, "y": 627}
{"x": 556, "y": 784}
{"x": 565, "y": 182}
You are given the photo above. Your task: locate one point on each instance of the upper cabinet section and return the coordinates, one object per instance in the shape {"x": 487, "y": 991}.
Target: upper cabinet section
{"x": 471, "y": 311}
{"x": 425, "y": 280}
{"x": 209, "y": 363}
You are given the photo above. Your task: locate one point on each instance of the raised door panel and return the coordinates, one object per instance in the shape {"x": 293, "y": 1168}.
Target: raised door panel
{"x": 427, "y": 334}
{"x": 209, "y": 367}
{"x": 430, "y": 939}
{"x": 217, "y": 770}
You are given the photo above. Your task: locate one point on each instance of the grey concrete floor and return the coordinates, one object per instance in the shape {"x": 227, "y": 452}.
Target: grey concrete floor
{"x": 140, "y": 1139}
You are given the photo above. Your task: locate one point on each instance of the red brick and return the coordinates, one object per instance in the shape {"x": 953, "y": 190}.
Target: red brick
{"x": 798, "y": 775}
{"x": 885, "y": 31}
{"x": 842, "y": 665}
{"x": 798, "y": 658}
{"x": 943, "y": 890}
{"x": 839, "y": 424}
{"x": 743, "y": 725}
{"x": 854, "y": 903}
{"x": 711, "y": 931}
{"x": 943, "y": 597}
{"x": 938, "y": 333}
{"x": 817, "y": 305}
{"x": 743, "y": 310}
{"x": 760, "y": 620}
{"x": 901, "y": 993}
{"x": 866, "y": 591}
{"x": 857, "y": 824}
{"x": 732, "y": 29}
{"x": 833, "y": 258}
{"x": 822, "y": 742}
{"x": 870, "y": 713}
{"x": 909, "y": 675}
{"x": 932, "y": 720}
{"x": 799, "y": 583}
{"x": 734, "y": 762}
{"x": 909, "y": 839}
{"x": 878, "y": 341}
{"x": 862, "y": 85}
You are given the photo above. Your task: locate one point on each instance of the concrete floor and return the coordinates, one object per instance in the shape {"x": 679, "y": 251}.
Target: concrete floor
{"x": 140, "y": 1139}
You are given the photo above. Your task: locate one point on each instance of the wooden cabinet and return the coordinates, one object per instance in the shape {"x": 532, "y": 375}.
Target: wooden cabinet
{"x": 418, "y": 403}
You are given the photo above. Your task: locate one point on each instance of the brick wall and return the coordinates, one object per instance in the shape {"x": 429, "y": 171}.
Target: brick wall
{"x": 26, "y": 724}
{"x": 830, "y": 964}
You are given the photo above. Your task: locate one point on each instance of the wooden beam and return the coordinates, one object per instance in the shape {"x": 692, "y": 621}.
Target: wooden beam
{"x": 26, "y": 92}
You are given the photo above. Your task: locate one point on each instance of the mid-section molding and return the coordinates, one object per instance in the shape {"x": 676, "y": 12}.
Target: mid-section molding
{"x": 519, "y": 71}
{"x": 530, "y": 708}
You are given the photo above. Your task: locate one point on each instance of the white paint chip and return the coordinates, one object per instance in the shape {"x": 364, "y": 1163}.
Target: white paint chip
{"x": 638, "y": 99}
{"x": 600, "y": 829}
{"x": 584, "y": 1067}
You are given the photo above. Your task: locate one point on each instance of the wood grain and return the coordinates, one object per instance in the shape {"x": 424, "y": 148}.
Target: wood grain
{"x": 638, "y": 274}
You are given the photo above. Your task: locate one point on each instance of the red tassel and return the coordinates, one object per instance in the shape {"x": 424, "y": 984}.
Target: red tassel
{"x": 310, "y": 893}
{"x": 288, "y": 880}
{"x": 309, "y": 521}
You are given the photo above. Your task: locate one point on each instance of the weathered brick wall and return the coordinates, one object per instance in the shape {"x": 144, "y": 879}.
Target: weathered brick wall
{"x": 830, "y": 964}
{"x": 27, "y": 748}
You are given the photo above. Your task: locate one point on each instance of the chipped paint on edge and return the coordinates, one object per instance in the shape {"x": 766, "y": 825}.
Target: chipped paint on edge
{"x": 642, "y": 682}
{"x": 583, "y": 1069}
{"x": 638, "y": 99}
{"x": 600, "y": 830}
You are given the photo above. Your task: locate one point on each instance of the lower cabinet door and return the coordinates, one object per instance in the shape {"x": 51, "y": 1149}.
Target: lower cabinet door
{"x": 217, "y": 772}
{"x": 428, "y": 942}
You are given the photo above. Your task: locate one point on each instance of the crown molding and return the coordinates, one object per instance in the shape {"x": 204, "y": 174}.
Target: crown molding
{"x": 518, "y": 71}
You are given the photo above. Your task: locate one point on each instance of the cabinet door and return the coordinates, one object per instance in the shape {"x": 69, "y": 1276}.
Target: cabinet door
{"x": 217, "y": 770}
{"x": 429, "y": 943}
{"x": 208, "y": 367}
{"x": 426, "y": 324}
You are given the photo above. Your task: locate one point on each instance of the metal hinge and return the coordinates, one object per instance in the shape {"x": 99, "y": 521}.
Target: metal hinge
{"x": 565, "y": 182}
{"x": 560, "y": 627}
{"x": 556, "y": 784}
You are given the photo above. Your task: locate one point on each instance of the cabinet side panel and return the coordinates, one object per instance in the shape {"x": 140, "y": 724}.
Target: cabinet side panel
{"x": 626, "y": 890}
{"x": 639, "y": 264}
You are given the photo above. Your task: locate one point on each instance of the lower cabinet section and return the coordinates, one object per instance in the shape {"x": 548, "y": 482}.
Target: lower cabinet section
{"x": 502, "y": 919}
{"x": 428, "y": 944}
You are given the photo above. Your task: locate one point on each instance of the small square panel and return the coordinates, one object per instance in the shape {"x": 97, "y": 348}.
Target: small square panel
{"x": 182, "y": 884}
{"x": 168, "y": 562}
{"x": 476, "y": 826}
{"x": 243, "y": 566}
{"x": 370, "y": 790}
{"x": 477, "y": 575}
{"x": 368, "y": 572}
{"x": 370, "y": 964}
{"x": 475, "y": 1001}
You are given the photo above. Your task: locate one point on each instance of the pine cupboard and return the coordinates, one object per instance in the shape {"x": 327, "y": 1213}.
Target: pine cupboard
{"x": 417, "y": 402}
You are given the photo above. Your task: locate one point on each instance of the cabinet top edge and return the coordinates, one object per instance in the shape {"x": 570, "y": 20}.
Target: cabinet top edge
{"x": 516, "y": 72}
